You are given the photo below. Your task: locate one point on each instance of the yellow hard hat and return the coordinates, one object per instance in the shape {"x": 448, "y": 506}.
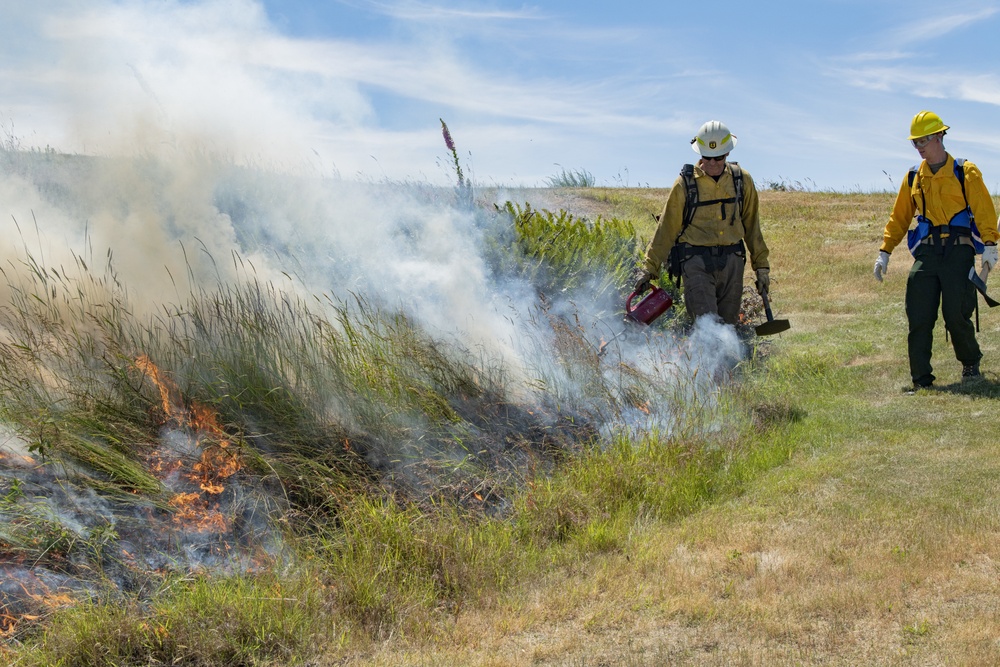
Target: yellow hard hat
{"x": 925, "y": 123}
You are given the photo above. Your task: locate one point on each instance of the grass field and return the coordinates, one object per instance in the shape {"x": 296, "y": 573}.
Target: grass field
{"x": 813, "y": 513}
{"x": 875, "y": 542}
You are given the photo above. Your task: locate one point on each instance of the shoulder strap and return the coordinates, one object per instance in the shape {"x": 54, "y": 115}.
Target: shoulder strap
{"x": 691, "y": 201}
{"x": 960, "y": 175}
{"x": 738, "y": 182}
{"x": 690, "y": 195}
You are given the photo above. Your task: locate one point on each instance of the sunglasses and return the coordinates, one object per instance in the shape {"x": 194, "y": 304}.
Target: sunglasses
{"x": 719, "y": 158}
{"x": 922, "y": 141}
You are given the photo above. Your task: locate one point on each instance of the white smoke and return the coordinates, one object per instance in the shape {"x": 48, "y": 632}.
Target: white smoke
{"x": 194, "y": 179}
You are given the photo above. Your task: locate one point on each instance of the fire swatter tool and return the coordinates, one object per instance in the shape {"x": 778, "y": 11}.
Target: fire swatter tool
{"x": 980, "y": 284}
{"x": 772, "y": 326}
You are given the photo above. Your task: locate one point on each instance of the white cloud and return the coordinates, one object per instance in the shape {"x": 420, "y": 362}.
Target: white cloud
{"x": 123, "y": 76}
{"x": 927, "y": 83}
{"x": 424, "y": 12}
{"x": 937, "y": 27}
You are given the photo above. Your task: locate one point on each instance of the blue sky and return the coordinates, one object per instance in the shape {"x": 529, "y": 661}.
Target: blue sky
{"x": 819, "y": 94}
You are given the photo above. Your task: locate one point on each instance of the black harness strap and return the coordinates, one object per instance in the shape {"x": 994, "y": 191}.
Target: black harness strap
{"x": 936, "y": 230}
{"x": 692, "y": 201}
{"x": 680, "y": 252}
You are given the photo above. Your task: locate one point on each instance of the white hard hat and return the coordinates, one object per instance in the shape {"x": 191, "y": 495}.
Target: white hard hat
{"x": 713, "y": 139}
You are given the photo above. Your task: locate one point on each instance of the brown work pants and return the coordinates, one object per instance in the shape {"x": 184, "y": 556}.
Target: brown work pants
{"x": 714, "y": 284}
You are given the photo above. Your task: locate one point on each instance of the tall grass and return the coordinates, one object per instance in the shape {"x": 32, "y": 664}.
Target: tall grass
{"x": 574, "y": 178}
{"x": 400, "y": 477}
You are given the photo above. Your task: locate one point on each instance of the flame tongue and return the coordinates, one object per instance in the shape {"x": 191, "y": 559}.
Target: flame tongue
{"x": 193, "y": 512}
{"x": 199, "y": 426}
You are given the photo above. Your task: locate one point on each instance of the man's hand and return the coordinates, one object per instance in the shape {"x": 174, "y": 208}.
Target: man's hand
{"x": 763, "y": 281}
{"x": 881, "y": 265}
{"x": 642, "y": 281}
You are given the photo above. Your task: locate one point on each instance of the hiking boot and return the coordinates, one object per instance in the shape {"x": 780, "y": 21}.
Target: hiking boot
{"x": 970, "y": 372}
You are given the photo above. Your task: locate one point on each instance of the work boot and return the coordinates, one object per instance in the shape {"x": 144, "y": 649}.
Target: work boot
{"x": 970, "y": 372}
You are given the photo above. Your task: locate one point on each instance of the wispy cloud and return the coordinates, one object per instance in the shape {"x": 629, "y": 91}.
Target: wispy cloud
{"x": 937, "y": 27}
{"x": 936, "y": 83}
{"x": 531, "y": 85}
{"x": 221, "y": 70}
{"x": 421, "y": 11}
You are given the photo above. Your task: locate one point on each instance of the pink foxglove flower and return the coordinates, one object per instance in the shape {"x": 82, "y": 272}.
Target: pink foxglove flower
{"x": 448, "y": 141}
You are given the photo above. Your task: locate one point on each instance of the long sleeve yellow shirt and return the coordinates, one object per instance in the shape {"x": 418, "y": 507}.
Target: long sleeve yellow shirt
{"x": 713, "y": 225}
{"x": 938, "y": 197}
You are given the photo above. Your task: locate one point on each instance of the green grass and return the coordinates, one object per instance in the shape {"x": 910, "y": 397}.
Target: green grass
{"x": 396, "y": 464}
{"x": 217, "y": 622}
{"x": 574, "y": 178}
{"x": 805, "y": 511}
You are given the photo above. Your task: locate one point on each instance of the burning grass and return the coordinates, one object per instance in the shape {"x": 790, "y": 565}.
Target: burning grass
{"x": 337, "y": 445}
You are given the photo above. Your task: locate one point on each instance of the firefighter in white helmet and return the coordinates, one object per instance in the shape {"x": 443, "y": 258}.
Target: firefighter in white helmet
{"x": 954, "y": 220}
{"x": 708, "y": 224}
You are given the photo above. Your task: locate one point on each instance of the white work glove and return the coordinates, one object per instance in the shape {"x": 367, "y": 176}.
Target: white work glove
{"x": 988, "y": 260}
{"x": 763, "y": 281}
{"x": 881, "y": 265}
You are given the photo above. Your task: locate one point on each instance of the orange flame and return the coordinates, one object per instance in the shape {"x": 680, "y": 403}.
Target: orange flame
{"x": 8, "y": 625}
{"x": 47, "y": 599}
{"x": 144, "y": 364}
{"x": 217, "y": 461}
{"x": 192, "y": 512}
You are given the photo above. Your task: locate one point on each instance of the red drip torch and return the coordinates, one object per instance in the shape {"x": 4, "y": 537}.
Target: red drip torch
{"x": 652, "y": 306}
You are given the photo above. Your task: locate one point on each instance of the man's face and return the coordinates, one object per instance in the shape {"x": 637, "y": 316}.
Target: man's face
{"x": 931, "y": 148}
{"x": 713, "y": 166}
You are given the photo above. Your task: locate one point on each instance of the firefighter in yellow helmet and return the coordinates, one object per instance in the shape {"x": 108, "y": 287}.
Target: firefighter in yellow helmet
{"x": 953, "y": 220}
{"x": 709, "y": 222}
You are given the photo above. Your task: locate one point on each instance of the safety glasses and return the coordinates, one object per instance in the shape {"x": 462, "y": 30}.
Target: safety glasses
{"x": 718, "y": 158}
{"x": 922, "y": 141}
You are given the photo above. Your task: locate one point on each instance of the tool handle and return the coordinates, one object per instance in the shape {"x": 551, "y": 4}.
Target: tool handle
{"x": 767, "y": 306}
{"x": 628, "y": 303}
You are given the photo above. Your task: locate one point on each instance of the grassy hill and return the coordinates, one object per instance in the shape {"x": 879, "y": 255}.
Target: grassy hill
{"x": 800, "y": 510}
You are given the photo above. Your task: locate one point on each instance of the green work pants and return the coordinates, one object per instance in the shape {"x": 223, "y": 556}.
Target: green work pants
{"x": 940, "y": 280}
{"x": 714, "y": 284}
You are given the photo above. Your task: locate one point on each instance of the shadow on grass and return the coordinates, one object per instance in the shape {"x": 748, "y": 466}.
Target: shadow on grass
{"x": 985, "y": 386}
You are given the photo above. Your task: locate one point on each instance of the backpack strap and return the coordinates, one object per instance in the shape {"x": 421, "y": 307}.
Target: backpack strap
{"x": 690, "y": 195}
{"x": 960, "y": 175}
{"x": 738, "y": 182}
{"x": 692, "y": 201}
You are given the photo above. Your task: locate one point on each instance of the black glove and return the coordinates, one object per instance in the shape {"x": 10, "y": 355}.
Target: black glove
{"x": 642, "y": 281}
{"x": 763, "y": 281}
